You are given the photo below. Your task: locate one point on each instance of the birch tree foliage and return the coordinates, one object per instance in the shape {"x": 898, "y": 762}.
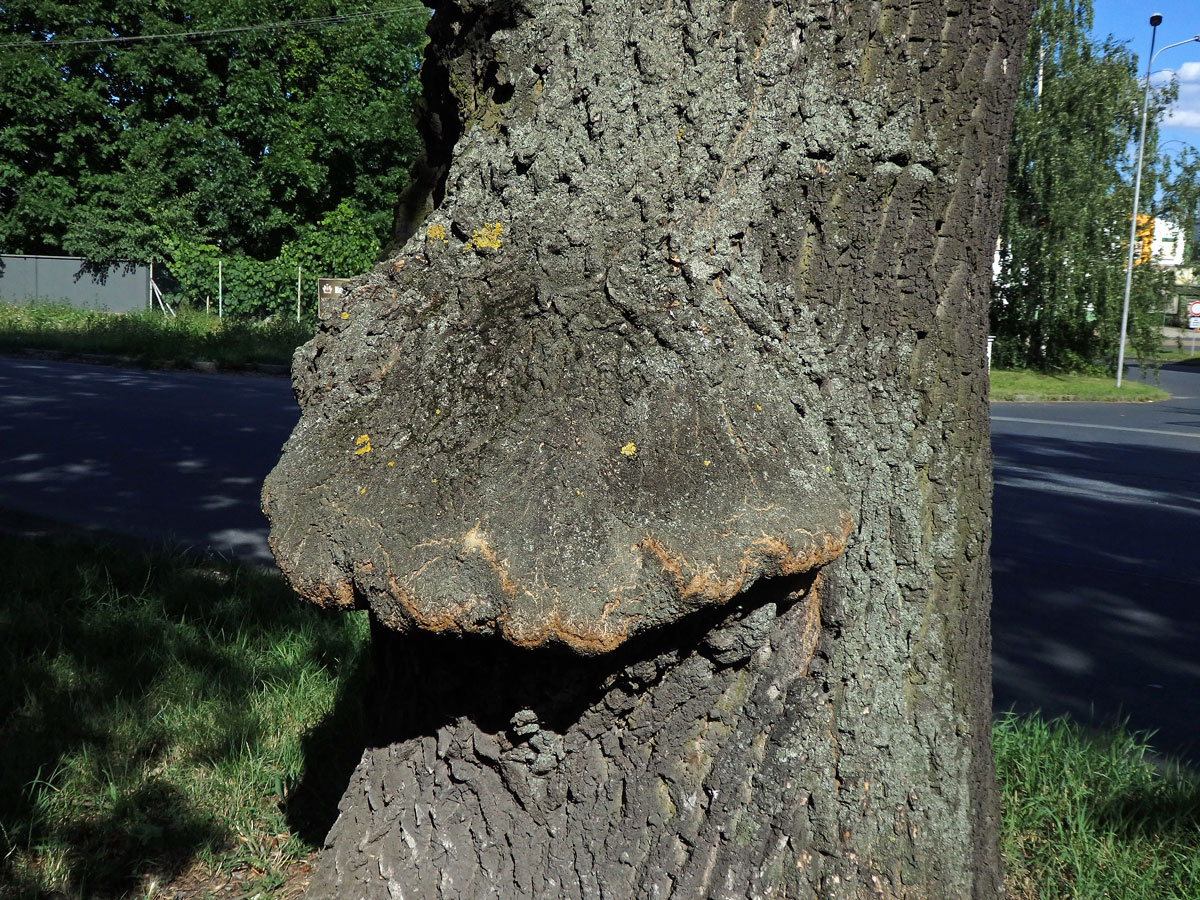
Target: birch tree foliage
{"x": 1180, "y": 200}
{"x": 1064, "y": 238}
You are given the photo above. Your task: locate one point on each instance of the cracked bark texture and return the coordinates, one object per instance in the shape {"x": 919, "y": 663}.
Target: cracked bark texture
{"x": 659, "y": 453}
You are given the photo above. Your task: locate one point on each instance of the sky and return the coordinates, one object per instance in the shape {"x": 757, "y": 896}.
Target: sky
{"x": 1128, "y": 21}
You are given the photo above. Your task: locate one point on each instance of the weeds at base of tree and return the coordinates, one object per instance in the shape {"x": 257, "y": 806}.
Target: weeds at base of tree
{"x": 151, "y": 338}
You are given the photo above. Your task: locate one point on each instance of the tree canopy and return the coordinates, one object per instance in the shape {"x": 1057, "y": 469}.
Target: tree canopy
{"x": 1069, "y": 197}
{"x": 1180, "y": 201}
{"x": 248, "y": 124}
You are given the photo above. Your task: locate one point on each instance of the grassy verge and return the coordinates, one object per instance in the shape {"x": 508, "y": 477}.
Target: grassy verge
{"x": 150, "y": 338}
{"x": 1183, "y": 357}
{"x": 1091, "y": 818}
{"x": 158, "y": 711}
{"x": 1020, "y": 384}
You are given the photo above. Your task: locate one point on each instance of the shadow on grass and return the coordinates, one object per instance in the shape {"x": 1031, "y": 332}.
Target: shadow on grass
{"x": 1094, "y": 813}
{"x": 335, "y": 745}
{"x": 154, "y": 709}
{"x": 1167, "y": 806}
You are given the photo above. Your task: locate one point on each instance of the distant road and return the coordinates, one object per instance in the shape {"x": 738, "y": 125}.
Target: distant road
{"x": 173, "y": 457}
{"x": 1096, "y": 546}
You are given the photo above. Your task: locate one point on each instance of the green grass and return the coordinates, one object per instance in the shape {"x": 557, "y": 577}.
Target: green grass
{"x": 1092, "y": 817}
{"x": 1178, "y": 357}
{"x": 155, "y": 711}
{"x": 150, "y": 338}
{"x": 1021, "y": 384}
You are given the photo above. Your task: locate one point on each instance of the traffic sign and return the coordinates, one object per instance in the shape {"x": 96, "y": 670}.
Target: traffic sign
{"x": 1194, "y": 322}
{"x": 329, "y": 294}
{"x": 1194, "y": 308}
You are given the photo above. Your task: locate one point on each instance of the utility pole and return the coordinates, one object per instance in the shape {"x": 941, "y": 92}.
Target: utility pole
{"x": 1155, "y": 21}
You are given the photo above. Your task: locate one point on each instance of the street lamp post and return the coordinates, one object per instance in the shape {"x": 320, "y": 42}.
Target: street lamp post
{"x": 1155, "y": 21}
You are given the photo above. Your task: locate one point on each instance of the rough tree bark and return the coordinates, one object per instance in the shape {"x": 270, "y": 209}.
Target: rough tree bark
{"x": 659, "y": 454}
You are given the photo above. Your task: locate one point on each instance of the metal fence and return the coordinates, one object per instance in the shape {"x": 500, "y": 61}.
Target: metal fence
{"x": 123, "y": 287}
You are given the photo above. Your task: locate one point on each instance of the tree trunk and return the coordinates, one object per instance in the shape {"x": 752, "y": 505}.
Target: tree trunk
{"x": 660, "y": 455}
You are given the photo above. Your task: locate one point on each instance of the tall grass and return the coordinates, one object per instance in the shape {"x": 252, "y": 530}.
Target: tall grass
{"x": 156, "y": 710}
{"x": 150, "y": 338}
{"x": 1093, "y": 816}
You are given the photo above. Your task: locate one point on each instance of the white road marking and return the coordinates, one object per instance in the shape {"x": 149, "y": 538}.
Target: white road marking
{"x": 1188, "y": 434}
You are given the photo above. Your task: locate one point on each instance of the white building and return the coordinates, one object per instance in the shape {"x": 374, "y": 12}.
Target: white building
{"x": 1166, "y": 246}
{"x": 1166, "y": 249}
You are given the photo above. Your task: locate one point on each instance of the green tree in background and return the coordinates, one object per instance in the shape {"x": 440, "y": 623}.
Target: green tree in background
{"x": 1064, "y": 238}
{"x": 247, "y": 138}
{"x": 1180, "y": 202}
{"x": 342, "y": 243}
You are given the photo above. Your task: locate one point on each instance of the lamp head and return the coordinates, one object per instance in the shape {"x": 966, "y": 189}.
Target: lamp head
{"x": 1155, "y": 20}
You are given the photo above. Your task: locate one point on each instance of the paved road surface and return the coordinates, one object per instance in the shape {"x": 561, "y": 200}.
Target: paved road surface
{"x": 1096, "y": 559}
{"x": 168, "y": 456}
{"x": 1097, "y": 528}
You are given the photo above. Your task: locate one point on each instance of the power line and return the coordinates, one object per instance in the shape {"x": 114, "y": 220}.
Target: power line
{"x": 322, "y": 22}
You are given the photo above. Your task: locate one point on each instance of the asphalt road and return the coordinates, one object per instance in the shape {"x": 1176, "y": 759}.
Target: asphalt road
{"x": 1096, "y": 561}
{"x": 1096, "y": 549}
{"x": 171, "y": 457}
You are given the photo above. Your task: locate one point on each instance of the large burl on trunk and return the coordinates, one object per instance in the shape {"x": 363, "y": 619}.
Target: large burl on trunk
{"x": 659, "y": 454}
